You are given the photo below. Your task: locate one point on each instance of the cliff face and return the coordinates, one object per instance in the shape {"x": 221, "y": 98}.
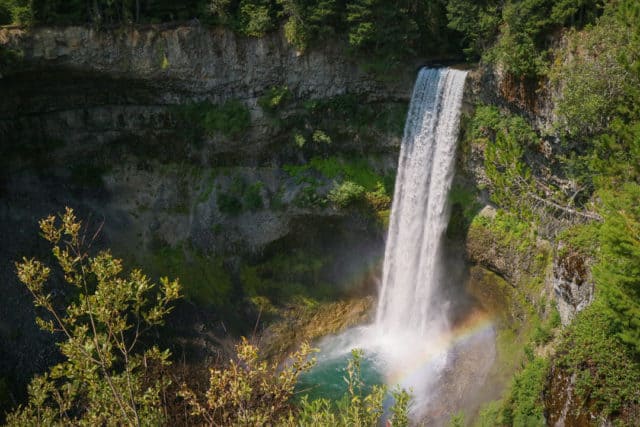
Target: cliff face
{"x": 198, "y": 60}
{"x": 95, "y": 120}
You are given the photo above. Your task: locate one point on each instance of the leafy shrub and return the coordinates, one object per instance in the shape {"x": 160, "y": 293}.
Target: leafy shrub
{"x": 346, "y": 193}
{"x": 255, "y": 18}
{"x": 477, "y": 21}
{"x": 617, "y": 273}
{"x": 308, "y": 197}
{"x": 274, "y": 98}
{"x": 378, "y": 199}
{"x": 524, "y": 406}
{"x": 319, "y": 137}
{"x": 248, "y": 391}
{"x": 592, "y": 79}
{"x": 117, "y": 383}
{"x": 608, "y": 374}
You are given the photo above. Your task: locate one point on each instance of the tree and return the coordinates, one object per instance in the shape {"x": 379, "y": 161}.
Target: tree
{"x": 107, "y": 377}
{"x": 477, "y": 21}
{"x": 618, "y": 272}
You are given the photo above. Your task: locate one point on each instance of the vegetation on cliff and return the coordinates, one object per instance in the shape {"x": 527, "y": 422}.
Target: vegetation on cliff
{"x": 583, "y": 168}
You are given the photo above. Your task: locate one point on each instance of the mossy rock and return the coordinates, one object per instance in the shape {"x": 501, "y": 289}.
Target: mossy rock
{"x": 495, "y": 295}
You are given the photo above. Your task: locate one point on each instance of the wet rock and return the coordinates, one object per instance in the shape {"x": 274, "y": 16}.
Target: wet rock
{"x": 572, "y": 283}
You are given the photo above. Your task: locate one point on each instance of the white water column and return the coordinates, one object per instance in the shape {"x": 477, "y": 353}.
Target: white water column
{"x": 409, "y": 299}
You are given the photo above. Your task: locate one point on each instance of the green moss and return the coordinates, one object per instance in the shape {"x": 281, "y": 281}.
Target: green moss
{"x": 464, "y": 207}
{"x": 204, "y": 118}
{"x": 204, "y": 279}
{"x": 583, "y": 238}
{"x": 510, "y": 231}
{"x": 209, "y": 185}
{"x": 351, "y": 119}
{"x": 287, "y": 277}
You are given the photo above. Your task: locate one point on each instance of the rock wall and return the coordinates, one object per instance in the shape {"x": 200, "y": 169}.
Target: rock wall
{"x": 198, "y": 60}
{"x": 88, "y": 120}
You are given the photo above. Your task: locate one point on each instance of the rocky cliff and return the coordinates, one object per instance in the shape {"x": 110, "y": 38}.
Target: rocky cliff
{"x": 117, "y": 124}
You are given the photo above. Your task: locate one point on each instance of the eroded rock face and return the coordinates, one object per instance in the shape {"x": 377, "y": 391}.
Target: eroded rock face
{"x": 572, "y": 283}
{"x": 201, "y": 60}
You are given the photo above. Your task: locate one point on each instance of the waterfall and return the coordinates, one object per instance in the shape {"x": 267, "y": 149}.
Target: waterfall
{"x": 411, "y": 343}
{"x": 419, "y": 216}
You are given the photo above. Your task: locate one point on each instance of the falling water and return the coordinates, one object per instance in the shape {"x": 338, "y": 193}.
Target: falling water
{"x": 411, "y": 343}
{"x": 411, "y": 275}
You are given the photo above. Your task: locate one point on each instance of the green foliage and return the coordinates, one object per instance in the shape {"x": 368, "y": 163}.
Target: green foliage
{"x": 490, "y": 415}
{"x": 353, "y": 181}
{"x": 204, "y": 118}
{"x": 382, "y": 30}
{"x": 464, "y": 207}
{"x": 106, "y": 377}
{"x": 608, "y": 375}
{"x": 477, "y": 21}
{"x": 231, "y": 119}
{"x": 345, "y": 194}
{"x": 521, "y": 29}
{"x": 345, "y": 118}
{"x": 583, "y": 238}
{"x": 287, "y": 276}
{"x": 274, "y": 98}
{"x": 524, "y": 406}
{"x": 506, "y": 139}
{"x": 309, "y": 21}
{"x": 256, "y": 18}
{"x": 250, "y": 391}
{"x": 358, "y": 171}
{"x": 617, "y": 273}
{"x": 457, "y": 420}
{"x": 98, "y": 12}
{"x": 592, "y": 78}
{"x": 600, "y": 92}
{"x": 205, "y": 280}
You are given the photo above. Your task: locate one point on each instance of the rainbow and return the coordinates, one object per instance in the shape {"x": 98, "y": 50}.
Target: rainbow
{"x": 419, "y": 361}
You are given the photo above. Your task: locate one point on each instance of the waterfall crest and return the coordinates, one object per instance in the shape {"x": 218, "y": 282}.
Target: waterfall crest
{"x": 419, "y": 216}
